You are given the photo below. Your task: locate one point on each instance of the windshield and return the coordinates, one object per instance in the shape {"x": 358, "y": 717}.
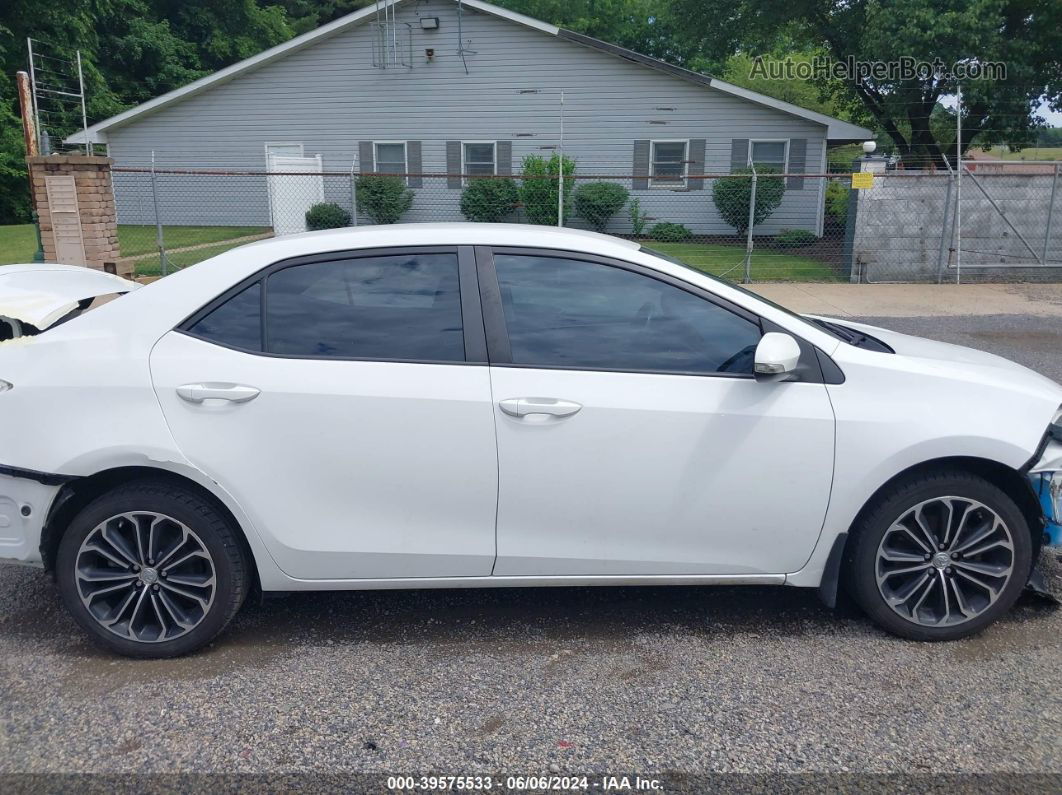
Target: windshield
{"x": 826, "y": 327}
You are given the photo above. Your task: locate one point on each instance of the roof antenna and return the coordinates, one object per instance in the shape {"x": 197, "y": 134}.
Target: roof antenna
{"x": 461, "y": 49}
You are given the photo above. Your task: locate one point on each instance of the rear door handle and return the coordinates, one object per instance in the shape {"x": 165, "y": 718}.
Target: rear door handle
{"x": 524, "y": 407}
{"x": 234, "y": 393}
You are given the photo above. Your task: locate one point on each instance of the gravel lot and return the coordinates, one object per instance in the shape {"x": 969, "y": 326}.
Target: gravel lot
{"x": 632, "y": 679}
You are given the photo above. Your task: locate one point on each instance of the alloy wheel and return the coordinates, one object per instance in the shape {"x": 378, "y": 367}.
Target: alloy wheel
{"x": 146, "y": 577}
{"x": 944, "y": 561}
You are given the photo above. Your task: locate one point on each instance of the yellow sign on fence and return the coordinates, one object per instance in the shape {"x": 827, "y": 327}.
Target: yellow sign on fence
{"x": 862, "y": 180}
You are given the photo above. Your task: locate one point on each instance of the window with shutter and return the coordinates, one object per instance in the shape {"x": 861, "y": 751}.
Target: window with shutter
{"x": 668, "y": 164}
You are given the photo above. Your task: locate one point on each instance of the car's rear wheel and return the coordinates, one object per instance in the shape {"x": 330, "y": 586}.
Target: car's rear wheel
{"x": 939, "y": 556}
{"x": 151, "y": 569}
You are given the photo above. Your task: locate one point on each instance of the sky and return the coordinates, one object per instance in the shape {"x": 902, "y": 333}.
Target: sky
{"x": 1054, "y": 117}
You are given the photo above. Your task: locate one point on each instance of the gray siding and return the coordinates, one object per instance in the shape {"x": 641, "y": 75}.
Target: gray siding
{"x": 328, "y": 97}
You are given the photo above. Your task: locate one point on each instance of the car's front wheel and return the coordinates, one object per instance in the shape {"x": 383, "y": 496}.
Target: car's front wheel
{"x": 939, "y": 556}
{"x": 151, "y": 569}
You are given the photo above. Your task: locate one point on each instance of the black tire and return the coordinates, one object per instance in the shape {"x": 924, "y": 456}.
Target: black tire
{"x": 862, "y": 556}
{"x": 231, "y": 573}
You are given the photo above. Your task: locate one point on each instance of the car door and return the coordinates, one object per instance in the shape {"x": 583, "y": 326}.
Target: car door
{"x": 344, "y": 401}
{"x": 633, "y": 438}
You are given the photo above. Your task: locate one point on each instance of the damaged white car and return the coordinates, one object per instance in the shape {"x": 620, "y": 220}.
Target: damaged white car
{"x": 480, "y": 405}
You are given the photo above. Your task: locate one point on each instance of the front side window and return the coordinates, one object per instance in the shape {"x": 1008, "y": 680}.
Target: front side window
{"x": 390, "y": 158}
{"x": 768, "y": 155}
{"x": 237, "y": 323}
{"x": 564, "y": 312}
{"x": 400, "y": 306}
{"x": 669, "y": 163}
{"x": 479, "y": 159}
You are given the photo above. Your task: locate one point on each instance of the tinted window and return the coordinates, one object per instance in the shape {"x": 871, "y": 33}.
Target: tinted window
{"x": 236, "y": 323}
{"x": 405, "y": 306}
{"x": 573, "y": 313}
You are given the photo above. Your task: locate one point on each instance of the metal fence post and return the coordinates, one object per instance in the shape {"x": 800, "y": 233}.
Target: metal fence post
{"x": 748, "y": 234}
{"x": 944, "y": 231}
{"x": 353, "y": 196}
{"x": 1050, "y": 212}
{"x": 163, "y": 265}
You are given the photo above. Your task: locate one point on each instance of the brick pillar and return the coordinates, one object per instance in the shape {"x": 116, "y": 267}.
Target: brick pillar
{"x": 75, "y": 204}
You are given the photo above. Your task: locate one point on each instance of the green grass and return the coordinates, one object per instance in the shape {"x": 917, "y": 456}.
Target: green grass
{"x": 1030, "y": 153}
{"x": 18, "y": 242}
{"x": 133, "y": 239}
{"x": 150, "y": 266}
{"x": 728, "y": 261}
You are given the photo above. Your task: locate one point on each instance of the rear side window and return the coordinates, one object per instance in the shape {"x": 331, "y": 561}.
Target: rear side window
{"x": 563, "y": 312}
{"x": 400, "y": 306}
{"x": 237, "y": 323}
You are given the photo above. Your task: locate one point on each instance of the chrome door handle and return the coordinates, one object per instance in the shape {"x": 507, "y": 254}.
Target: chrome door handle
{"x": 523, "y": 407}
{"x": 234, "y": 393}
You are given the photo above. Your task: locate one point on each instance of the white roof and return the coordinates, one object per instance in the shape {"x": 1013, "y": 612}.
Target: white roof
{"x": 446, "y": 234}
{"x": 836, "y": 129}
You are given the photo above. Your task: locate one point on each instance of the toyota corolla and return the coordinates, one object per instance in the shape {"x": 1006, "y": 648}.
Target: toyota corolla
{"x": 476, "y": 405}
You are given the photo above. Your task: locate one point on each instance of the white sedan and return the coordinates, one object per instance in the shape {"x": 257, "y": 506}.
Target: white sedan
{"x": 476, "y": 405}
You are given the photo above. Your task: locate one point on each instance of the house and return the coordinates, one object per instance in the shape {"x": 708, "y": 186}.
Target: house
{"x": 454, "y": 87}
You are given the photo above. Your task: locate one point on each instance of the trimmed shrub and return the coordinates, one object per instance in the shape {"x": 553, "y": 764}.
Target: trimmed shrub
{"x": 489, "y": 200}
{"x": 326, "y": 215}
{"x": 670, "y": 233}
{"x": 384, "y": 199}
{"x": 538, "y": 188}
{"x": 795, "y": 238}
{"x": 733, "y": 194}
{"x": 597, "y": 202}
{"x": 837, "y": 195}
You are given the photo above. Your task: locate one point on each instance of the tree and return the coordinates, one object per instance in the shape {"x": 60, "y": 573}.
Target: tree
{"x": 539, "y": 189}
{"x": 740, "y": 70}
{"x": 1026, "y": 35}
{"x": 732, "y": 196}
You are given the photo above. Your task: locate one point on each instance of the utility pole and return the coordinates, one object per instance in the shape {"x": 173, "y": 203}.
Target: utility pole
{"x": 29, "y": 135}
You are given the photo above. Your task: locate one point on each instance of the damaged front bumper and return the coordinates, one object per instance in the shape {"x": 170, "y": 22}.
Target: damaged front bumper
{"x": 1046, "y": 479}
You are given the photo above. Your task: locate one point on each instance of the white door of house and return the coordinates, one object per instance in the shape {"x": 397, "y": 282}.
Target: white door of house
{"x": 295, "y": 185}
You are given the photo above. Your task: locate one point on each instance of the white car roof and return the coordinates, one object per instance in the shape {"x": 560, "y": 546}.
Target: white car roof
{"x": 451, "y": 234}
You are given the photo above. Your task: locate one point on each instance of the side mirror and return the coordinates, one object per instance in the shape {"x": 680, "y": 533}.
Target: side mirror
{"x": 777, "y": 357}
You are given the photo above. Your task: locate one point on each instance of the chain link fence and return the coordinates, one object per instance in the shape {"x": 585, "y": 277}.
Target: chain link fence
{"x": 992, "y": 224}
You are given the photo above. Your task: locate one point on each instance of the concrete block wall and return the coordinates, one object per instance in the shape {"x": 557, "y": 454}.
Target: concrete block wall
{"x": 900, "y": 221}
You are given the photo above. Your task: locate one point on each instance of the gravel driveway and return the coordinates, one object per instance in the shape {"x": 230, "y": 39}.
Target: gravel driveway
{"x": 650, "y": 680}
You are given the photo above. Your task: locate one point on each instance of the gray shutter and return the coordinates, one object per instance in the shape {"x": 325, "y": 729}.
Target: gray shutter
{"x": 453, "y": 164}
{"x": 641, "y": 165}
{"x": 739, "y": 154}
{"x": 366, "y": 161}
{"x": 503, "y": 152}
{"x": 414, "y": 165}
{"x": 798, "y": 156}
{"x": 696, "y": 165}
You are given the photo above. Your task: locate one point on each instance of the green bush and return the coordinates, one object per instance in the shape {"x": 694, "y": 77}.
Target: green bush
{"x": 597, "y": 202}
{"x": 732, "y": 196}
{"x": 837, "y": 194}
{"x": 489, "y": 200}
{"x": 795, "y": 238}
{"x": 538, "y": 188}
{"x": 326, "y": 215}
{"x": 670, "y": 233}
{"x": 384, "y": 199}
{"x": 638, "y": 218}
